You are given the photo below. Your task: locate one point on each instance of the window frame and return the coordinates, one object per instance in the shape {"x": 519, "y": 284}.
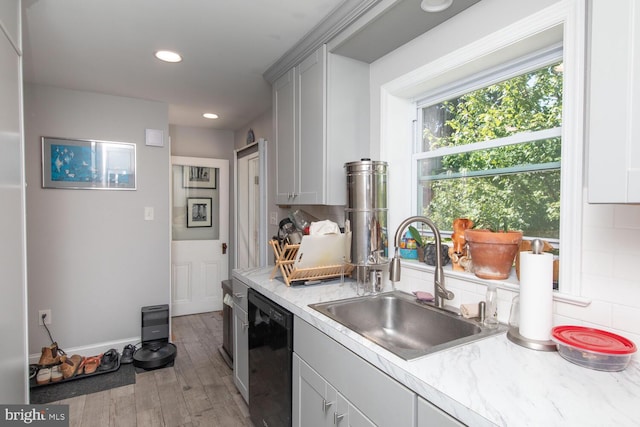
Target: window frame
{"x": 563, "y": 21}
{"x": 527, "y": 63}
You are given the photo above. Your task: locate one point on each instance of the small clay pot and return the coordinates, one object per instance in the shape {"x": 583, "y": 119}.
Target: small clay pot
{"x": 493, "y": 253}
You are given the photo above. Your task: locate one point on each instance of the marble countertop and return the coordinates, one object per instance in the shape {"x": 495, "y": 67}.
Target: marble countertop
{"x": 488, "y": 382}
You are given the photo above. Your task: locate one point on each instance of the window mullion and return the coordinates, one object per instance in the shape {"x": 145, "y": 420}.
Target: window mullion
{"x": 518, "y": 138}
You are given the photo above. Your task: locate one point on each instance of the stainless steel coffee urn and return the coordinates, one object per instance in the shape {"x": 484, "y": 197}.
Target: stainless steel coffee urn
{"x": 366, "y": 213}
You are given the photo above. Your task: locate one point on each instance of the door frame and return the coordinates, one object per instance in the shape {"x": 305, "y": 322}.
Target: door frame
{"x": 260, "y": 147}
{"x": 223, "y": 188}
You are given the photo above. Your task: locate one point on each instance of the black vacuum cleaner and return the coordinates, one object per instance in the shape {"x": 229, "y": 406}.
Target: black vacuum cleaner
{"x": 156, "y": 350}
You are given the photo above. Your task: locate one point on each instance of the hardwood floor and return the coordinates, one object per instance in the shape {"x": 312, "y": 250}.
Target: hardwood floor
{"x": 197, "y": 391}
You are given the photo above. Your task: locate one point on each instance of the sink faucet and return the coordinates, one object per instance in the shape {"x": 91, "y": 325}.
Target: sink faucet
{"x": 441, "y": 293}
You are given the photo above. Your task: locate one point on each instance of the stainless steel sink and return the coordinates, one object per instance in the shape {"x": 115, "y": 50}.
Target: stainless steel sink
{"x": 402, "y": 325}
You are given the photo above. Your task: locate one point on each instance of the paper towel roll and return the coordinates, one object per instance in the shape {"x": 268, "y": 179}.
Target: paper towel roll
{"x": 536, "y": 295}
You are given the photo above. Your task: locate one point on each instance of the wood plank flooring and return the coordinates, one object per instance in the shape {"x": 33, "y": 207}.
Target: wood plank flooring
{"x": 197, "y": 391}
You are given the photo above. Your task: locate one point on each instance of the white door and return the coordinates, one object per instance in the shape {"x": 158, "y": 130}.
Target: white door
{"x": 200, "y": 233}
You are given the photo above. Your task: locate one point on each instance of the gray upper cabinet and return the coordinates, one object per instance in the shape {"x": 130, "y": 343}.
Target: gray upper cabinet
{"x": 614, "y": 105}
{"x": 321, "y": 121}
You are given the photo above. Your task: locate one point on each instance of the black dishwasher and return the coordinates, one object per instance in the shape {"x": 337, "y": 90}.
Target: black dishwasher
{"x": 270, "y": 352}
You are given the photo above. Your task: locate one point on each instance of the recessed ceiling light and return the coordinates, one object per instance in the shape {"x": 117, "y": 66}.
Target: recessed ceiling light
{"x": 168, "y": 56}
{"x": 210, "y": 116}
{"x": 435, "y": 5}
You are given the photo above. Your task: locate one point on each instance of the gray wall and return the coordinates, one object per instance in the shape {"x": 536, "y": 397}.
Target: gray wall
{"x": 201, "y": 142}
{"x": 263, "y": 128}
{"x": 91, "y": 257}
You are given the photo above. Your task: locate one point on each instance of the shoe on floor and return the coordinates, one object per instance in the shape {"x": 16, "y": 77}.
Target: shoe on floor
{"x": 69, "y": 365}
{"x": 44, "y": 376}
{"x": 91, "y": 364}
{"x": 56, "y": 374}
{"x": 127, "y": 354}
{"x": 49, "y": 356}
{"x": 109, "y": 360}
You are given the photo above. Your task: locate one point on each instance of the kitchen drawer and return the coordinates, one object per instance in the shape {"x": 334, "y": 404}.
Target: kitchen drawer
{"x": 240, "y": 294}
{"x": 346, "y": 371}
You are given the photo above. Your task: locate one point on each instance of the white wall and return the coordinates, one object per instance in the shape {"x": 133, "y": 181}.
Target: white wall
{"x": 609, "y": 276}
{"x": 92, "y": 258}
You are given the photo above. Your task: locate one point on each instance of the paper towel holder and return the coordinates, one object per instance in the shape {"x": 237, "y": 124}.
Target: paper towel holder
{"x": 514, "y": 330}
{"x": 514, "y": 336}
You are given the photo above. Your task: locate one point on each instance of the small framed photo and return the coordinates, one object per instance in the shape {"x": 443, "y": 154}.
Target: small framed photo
{"x": 198, "y": 212}
{"x": 198, "y": 177}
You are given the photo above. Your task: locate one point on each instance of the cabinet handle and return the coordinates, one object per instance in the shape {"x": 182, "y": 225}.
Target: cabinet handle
{"x": 337, "y": 418}
{"x": 238, "y": 295}
{"x": 325, "y": 405}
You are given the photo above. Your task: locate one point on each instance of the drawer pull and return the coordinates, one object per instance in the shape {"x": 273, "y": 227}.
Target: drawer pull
{"x": 238, "y": 295}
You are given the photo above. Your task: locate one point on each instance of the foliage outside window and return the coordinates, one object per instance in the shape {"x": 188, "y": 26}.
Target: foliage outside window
{"x": 493, "y": 155}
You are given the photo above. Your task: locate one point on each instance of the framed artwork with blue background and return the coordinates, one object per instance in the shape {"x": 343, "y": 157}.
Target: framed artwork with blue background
{"x": 88, "y": 164}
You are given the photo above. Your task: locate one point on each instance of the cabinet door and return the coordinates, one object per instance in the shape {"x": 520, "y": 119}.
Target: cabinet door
{"x": 314, "y": 401}
{"x": 430, "y": 415}
{"x": 284, "y": 128}
{"x": 348, "y": 415}
{"x": 614, "y": 131}
{"x": 241, "y": 351}
{"x": 311, "y": 110}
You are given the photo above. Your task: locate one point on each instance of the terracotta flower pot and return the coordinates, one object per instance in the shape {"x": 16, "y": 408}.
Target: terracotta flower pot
{"x": 492, "y": 253}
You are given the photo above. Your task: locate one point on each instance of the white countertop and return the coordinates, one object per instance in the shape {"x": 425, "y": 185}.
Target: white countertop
{"x": 488, "y": 382}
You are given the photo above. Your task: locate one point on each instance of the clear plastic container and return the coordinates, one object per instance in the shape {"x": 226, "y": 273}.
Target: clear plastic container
{"x": 593, "y": 348}
{"x": 491, "y": 316}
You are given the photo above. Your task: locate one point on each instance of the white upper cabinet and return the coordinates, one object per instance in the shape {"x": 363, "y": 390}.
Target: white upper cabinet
{"x": 321, "y": 121}
{"x": 614, "y": 92}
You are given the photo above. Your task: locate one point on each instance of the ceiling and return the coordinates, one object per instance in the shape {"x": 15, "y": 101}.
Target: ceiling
{"x": 107, "y": 46}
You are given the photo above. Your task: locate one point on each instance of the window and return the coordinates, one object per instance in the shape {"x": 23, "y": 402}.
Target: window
{"x": 490, "y": 148}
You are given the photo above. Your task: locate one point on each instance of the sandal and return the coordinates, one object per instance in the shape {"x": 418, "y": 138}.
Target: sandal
{"x": 44, "y": 376}
{"x": 127, "y": 353}
{"x": 109, "y": 360}
{"x": 70, "y": 365}
{"x": 91, "y": 364}
{"x": 56, "y": 374}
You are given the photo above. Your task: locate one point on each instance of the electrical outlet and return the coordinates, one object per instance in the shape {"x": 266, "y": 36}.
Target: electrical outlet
{"x": 273, "y": 218}
{"x": 47, "y": 319}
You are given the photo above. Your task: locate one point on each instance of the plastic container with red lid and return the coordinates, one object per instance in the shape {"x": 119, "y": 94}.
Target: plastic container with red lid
{"x": 593, "y": 348}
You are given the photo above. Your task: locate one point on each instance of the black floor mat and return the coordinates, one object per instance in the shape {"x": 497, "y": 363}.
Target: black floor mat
{"x": 53, "y": 392}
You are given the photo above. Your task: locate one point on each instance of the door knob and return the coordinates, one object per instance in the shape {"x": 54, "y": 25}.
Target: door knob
{"x": 224, "y": 248}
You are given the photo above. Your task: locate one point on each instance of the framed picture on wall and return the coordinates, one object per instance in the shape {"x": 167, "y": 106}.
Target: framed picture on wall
{"x": 198, "y": 177}
{"x": 88, "y": 164}
{"x": 198, "y": 212}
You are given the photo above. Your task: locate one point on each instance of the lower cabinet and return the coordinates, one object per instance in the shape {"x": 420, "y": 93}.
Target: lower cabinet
{"x": 332, "y": 386}
{"x": 317, "y": 404}
{"x": 241, "y": 352}
{"x": 240, "y": 339}
{"x": 430, "y": 415}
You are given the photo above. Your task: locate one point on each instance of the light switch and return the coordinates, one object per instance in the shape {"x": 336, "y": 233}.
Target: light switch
{"x": 148, "y": 213}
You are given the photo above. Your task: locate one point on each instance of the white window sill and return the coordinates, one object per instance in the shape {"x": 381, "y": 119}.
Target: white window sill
{"x": 511, "y": 284}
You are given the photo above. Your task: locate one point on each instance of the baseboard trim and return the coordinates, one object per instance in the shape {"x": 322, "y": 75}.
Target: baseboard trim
{"x": 93, "y": 349}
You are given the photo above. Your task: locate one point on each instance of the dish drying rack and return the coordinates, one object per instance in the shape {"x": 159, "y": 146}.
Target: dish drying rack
{"x": 286, "y": 257}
